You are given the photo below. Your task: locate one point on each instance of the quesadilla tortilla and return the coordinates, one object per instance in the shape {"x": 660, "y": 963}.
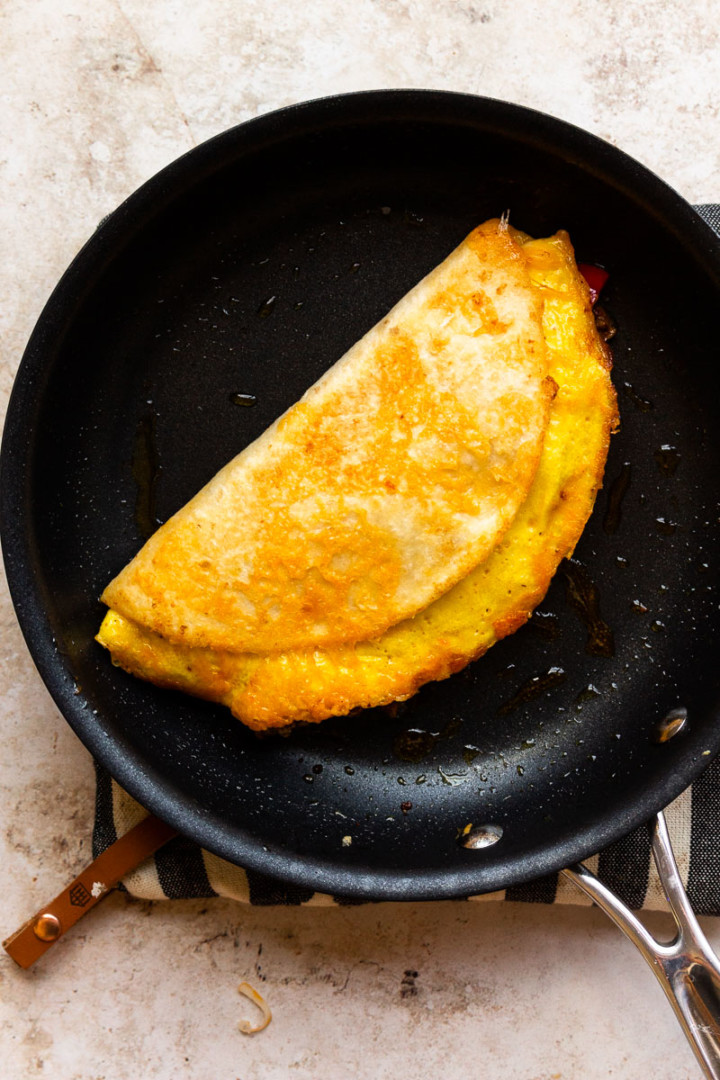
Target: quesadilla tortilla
{"x": 396, "y": 544}
{"x": 393, "y": 476}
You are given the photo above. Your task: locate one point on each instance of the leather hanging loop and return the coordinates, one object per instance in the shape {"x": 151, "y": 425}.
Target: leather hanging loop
{"x": 52, "y": 921}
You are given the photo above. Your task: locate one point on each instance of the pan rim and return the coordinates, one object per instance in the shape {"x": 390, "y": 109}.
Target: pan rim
{"x": 142, "y": 781}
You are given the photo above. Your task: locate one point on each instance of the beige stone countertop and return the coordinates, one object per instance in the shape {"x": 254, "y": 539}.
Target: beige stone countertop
{"x": 96, "y": 97}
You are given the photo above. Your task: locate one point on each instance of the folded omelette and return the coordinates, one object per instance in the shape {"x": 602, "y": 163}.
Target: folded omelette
{"x": 406, "y": 513}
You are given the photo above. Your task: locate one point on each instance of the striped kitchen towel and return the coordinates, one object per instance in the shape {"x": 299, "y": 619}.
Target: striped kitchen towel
{"x": 181, "y": 869}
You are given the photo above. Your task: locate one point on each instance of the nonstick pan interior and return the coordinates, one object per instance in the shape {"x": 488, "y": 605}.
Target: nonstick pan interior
{"x": 202, "y": 309}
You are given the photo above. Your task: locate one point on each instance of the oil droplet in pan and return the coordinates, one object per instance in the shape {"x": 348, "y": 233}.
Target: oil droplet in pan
{"x": 605, "y": 323}
{"x": 590, "y": 693}
{"x": 246, "y": 400}
{"x": 641, "y": 404}
{"x": 266, "y": 307}
{"x": 145, "y": 470}
{"x": 545, "y": 623}
{"x": 533, "y": 688}
{"x": 414, "y": 745}
{"x": 667, "y": 458}
{"x": 583, "y": 597}
{"x": 665, "y": 527}
{"x": 618, "y": 491}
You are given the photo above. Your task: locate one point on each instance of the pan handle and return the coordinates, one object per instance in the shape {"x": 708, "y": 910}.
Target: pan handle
{"x": 686, "y": 968}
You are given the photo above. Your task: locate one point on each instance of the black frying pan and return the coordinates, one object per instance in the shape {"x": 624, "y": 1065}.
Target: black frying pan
{"x": 246, "y": 268}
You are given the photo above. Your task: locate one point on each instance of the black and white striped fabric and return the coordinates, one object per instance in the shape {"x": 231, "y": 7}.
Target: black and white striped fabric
{"x": 182, "y": 870}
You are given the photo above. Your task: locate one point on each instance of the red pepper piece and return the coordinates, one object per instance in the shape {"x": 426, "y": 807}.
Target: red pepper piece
{"x": 595, "y": 277}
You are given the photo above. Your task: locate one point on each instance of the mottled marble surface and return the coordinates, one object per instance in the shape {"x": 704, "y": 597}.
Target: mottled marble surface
{"x": 95, "y": 99}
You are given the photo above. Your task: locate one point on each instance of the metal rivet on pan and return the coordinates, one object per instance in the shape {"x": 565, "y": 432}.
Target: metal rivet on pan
{"x": 670, "y": 725}
{"x": 480, "y": 836}
{"x": 47, "y": 927}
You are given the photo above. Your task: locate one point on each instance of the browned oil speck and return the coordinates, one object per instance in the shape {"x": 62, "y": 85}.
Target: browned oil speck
{"x": 616, "y": 494}
{"x": 246, "y": 400}
{"x": 406, "y": 807}
{"x": 414, "y": 745}
{"x": 588, "y": 694}
{"x": 605, "y": 323}
{"x": 534, "y": 688}
{"x": 665, "y": 527}
{"x": 583, "y": 597}
{"x": 545, "y": 623}
{"x": 641, "y": 404}
{"x": 145, "y": 470}
{"x": 667, "y": 458}
{"x": 266, "y": 308}
{"x": 393, "y": 709}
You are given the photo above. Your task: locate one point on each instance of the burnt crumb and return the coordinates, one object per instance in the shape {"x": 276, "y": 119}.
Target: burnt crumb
{"x": 407, "y": 984}
{"x": 405, "y": 807}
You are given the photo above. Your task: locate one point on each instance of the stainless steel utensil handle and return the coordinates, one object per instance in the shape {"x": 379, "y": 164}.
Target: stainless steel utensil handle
{"x": 686, "y": 968}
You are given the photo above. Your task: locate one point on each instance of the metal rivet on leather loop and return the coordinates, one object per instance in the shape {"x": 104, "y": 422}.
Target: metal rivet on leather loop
{"x": 47, "y": 927}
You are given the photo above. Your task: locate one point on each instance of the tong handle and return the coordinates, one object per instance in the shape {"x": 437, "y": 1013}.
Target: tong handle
{"x": 686, "y": 968}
